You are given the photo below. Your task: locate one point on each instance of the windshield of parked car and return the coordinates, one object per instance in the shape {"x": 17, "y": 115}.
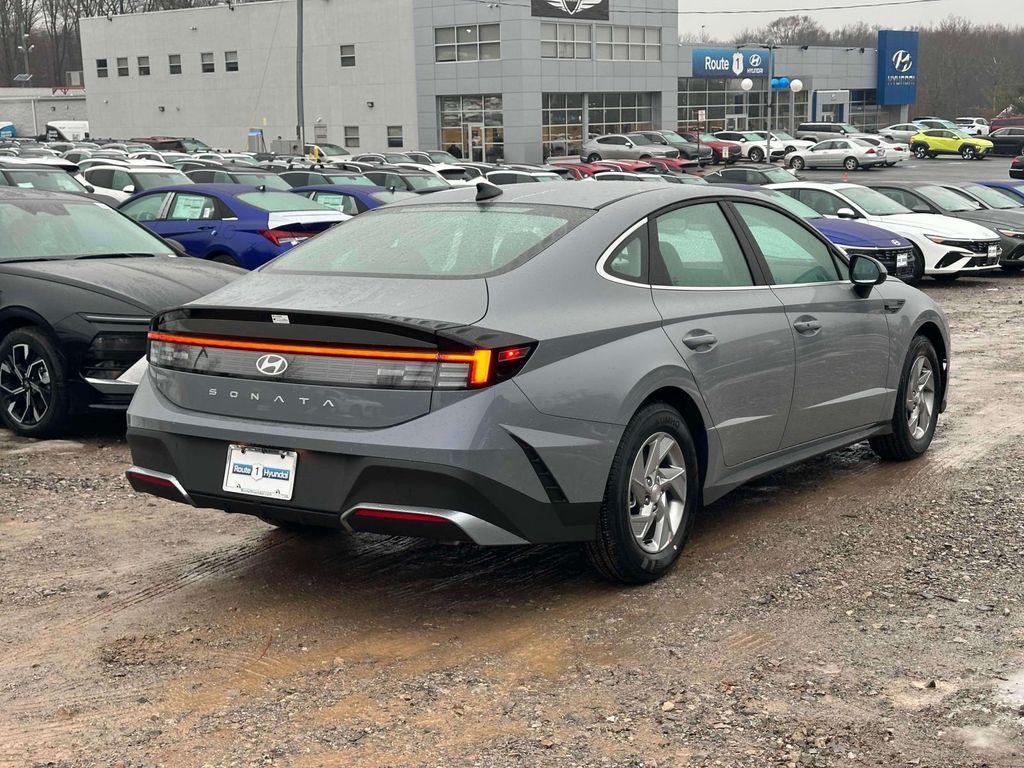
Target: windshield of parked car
{"x": 873, "y": 202}
{"x": 397, "y": 157}
{"x": 708, "y": 137}
{"x": 639, "y": 138}
{"x": 672, "y": 136}
{"x": 426, "y": 182}
{"x": 947, "y": 199}
{"x": 442, "y": 157}
{"x": 791, "y": 204}
{"x": 777, "y": 175}
{"x": 269, "y": 180}
{"x": 783, "y": 136}
{"x": 280, "y": 202}
{"x": 351, "y": 178}
{"x": 155, "y": 179}
{"x": 459, "y": 240}
{"x": 195, "y": 145}
{"x": 45, "y": 229}
{"x": 751, "y": 137}
{"x": 959, "y": 134}
{"x": 846, "y": 127}
{"x": 332, "y": 150}
{"x": 52, "y": 181}
{"x": 993, "y": 198}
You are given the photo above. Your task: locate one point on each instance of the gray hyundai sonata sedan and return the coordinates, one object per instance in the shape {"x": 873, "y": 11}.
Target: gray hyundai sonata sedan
{"x": 543, "y": 363}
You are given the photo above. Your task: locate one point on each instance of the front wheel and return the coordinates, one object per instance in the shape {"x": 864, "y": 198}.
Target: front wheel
{"x": 34, "y": 397}
{"x": 593, "y": 157}
{"x": 650, "y": 499}
{"x": 920, "y": 151}
{"x": 851, "y": 164}
{"x": 797, "y": 164}
{"x": 756, "y": 155}
{"x": 917, "y": 405}
{"x": 968, "y": 152}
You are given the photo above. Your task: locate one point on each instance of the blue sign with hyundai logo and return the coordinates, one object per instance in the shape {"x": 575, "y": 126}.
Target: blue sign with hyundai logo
{"x": 729, "y": 62}
{"x": 897, "y": 67}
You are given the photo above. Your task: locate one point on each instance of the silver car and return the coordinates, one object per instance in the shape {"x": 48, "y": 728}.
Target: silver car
{"x": 850, "y": 154}
{"x": 535, "y": 363}
{"x": 623, "y": 146}
{"x": 900, "y": 133}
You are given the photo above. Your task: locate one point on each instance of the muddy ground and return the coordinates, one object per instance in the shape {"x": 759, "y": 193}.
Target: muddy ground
{"x": 841, "y": 613}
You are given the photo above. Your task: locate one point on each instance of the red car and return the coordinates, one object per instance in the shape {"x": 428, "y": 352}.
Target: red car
{"x": 678, "y": 165}
{"x": 723, "y": 151}
{"x": 579, "y": 170}
{"x": 630, "y": 166}
{"x": 1017, "y": 167}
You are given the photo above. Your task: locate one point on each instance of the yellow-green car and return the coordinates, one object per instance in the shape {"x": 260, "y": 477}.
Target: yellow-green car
{"x": 943, "y": 141}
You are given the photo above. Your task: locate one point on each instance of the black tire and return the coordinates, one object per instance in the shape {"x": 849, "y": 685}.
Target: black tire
{"x": 645, "y": 157}
{"x": 918, "y": 274}
{"x": 797, "y": 164}
{"x": 224, "y": 258}
{"x": 756, "y": 155}
{"x": 1012, "y": 269}
{"x": 968, "y": 152}
{"x": 932, "y": 155}
{"x": 920, "y": 151}
{"x": 46, "y": 412}
{"x": 616, "y": 553}
{"x": 901, "y": 445}
{"x": 593, "y": 157}
{"x": 851, "y": 164}
{"x": 946, "y": 278}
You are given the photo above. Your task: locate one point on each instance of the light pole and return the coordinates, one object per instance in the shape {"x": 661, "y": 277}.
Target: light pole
{"x": 300, "y": 107}
{"x": 25, "y": 49}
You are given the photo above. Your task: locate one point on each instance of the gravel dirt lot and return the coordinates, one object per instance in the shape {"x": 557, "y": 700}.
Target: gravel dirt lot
{"x": 844, "y": 612}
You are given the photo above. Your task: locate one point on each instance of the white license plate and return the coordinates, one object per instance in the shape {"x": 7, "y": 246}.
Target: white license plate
{"x": 993, "y": 252}
{"x": 260, "y": 472}
{"x": 902, "y": 260}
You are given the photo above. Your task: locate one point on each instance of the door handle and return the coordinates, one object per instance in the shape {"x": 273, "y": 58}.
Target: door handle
{"x": 807, "y": 326}
{"x": 700, "y": 341}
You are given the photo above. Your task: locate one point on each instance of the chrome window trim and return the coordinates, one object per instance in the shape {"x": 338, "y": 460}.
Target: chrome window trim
{"x": 603, "y": 260}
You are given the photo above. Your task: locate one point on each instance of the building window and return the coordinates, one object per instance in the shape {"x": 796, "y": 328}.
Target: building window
{"x": 619, "y": 113}
{"x": 101, "y": 67}
{"x": 206, "y": 63}
{"x": 174, "y": 63}
{"x": 122, "y": 66}
{"x": 395, "y": 136}
{"x": 727, "y": 107}
{"x": 143, "y": 62}
{"x": 562, "y": 124}
{"x": 469, "y": 42}
{"x": 348, "y": 55}
{"x": 472, "y": 127}
{"x": 565, "y": 41}
{"x": 627, "y": 43}
{"x": 351, "y": 135}
{"x": 231, "y": 61}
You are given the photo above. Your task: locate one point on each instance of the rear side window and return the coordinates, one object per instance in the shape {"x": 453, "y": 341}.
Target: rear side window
{"x": 696, "y": 248}
{"x": 434, "y": 241}
{"x": 628, "y": 260}
{"x": 793, "y": 254}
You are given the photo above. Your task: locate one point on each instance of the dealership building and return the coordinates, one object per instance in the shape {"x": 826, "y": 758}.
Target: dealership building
{"x": 514, "y": 79}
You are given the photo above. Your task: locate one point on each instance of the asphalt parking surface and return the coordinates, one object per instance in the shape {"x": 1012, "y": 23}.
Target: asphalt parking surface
{"x": 843, "y": 612}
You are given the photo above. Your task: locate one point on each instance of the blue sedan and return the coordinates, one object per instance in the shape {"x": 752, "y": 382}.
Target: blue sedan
{"x": 351, "y": 199}
{"x": 234, "y": 224}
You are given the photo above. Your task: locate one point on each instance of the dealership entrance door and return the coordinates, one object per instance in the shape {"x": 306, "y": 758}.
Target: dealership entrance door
{"x": 471, "y": 127}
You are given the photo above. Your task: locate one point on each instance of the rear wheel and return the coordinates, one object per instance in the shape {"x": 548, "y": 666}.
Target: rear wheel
{"x": 593, "y": 157}
{"x": 917, "y": 405}
{"x": 851, "y": 164}
{"x": 797, "y": 163}
{"x": 918, "y": 268}
{"x": 650, "y": 499}
{"x": 225, "y": 258}
{"x": 756, "y": 155}
{"x": 34, "y": 397}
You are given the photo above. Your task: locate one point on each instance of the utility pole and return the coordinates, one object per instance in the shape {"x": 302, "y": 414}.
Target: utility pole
{"x": 300, "y": 107}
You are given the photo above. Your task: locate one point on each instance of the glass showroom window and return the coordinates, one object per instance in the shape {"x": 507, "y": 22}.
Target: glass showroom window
{"x": 395, "y": 136}
{"x": 348, "y": 55}
{"x": 174, "y": 63}
{"x": 122, "y": 66}
{"x": 728, "y": 108}
{"x": 231, "y": 61}
{"x": 472, "y": 127}
{"x": 565, "y": 41}
{"x": 206, "y": 63}
{"x": 469, "y": 42}
{"x": 562, "y": 131}
{"x": 619, "y": 113}
{"x": 101, "y": 67}
{"x": 351, "y": 135}
{"x": 627, "y": 43}
{"x": 143, "y": 62}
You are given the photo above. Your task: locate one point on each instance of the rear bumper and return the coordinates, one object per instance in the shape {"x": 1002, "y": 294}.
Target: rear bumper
{"x": 495, "y": 468}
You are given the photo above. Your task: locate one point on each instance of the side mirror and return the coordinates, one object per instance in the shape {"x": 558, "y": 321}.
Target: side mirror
{"x": 128, "y": 188}
{"x": 865, "y": 273}
{"x": 90, "y": 189}
{"x": 630, "y": 144}
{"x": 847, "y": 213}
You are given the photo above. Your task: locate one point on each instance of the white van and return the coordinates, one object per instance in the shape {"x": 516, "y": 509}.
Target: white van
{"x": 67, "y": 130}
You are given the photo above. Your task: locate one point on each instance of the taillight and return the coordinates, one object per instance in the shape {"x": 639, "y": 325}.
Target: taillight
{"x": 869, "y": 152}
{"x": 281, "y": 237}
{"x": 352, "y": 366}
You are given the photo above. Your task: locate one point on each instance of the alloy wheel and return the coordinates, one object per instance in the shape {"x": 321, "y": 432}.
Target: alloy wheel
{"x": 920, "y": 397}
{"x": 25, "y": 386}
{"x": 657, "y": 492}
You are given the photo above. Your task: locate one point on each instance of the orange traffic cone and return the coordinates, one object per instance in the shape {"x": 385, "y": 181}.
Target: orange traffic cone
{"x": 846, "y": 176}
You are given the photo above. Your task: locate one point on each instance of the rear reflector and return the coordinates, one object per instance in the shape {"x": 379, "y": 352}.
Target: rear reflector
{"x": 389, "y": 514}
{"x": 156, "y": 484}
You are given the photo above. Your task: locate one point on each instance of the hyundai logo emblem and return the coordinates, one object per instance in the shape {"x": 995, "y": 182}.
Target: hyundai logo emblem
{"x": 271, "y": 365}
{"x": 902, "y": 61}
{"x": 755, "y": 60}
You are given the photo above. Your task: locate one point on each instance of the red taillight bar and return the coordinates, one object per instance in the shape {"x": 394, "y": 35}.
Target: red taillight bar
{"x": 277, "y": 235}
{"x": 389, "y": 514}
{"x": 479, "y": 359}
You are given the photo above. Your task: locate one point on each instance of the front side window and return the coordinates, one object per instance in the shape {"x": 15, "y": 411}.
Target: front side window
{"x": 348, "y": 55}
{"x": 231, "y": 61}
{"x": 145, "y": 208}
{"x": 174, "y": 63}
{"x": 122, "y": 66}
{"x": 793, "y": 254}
{"x": 395, "y": 136}
{"x": 351, "y": 136}
{"x": 467, "y": 42}
{"x": 206, "y": 63}
{"x": 101, "y": 67}
{"x": 823, "y": 202}
{"x": 696, "y": 248}
{"x": 874, "y": 203}
{"x": 438, "y": 241}
{"x": 143, "y": 64}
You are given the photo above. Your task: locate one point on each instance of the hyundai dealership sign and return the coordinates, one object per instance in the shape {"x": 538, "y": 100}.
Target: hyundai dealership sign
{"x": 571, "y": 9}
{"x": 897, "y": 67}
{"x": 729, "y": 62}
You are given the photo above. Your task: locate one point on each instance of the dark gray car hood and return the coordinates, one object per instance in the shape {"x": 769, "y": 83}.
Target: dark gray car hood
{"x": 998, "y": 218}
{"x": 455, "y": 302}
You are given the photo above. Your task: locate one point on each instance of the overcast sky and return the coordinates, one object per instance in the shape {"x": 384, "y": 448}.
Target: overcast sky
{"x": 721, "y": 25}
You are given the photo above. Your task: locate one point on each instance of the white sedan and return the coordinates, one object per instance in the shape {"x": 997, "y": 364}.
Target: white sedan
{"x": 944, "y": 247}
{"x": 894, "y": 153}
{"x": 850, "y": 154}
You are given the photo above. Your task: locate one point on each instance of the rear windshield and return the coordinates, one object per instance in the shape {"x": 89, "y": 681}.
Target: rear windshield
{"x": 157, "y": 179}
{"x": 279, "y": 202}
{"x": 426, "y": 182}
{"x": 350, "y": 179}
{"x": 434, "y": 241}
{"x": 52, "y": 181}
